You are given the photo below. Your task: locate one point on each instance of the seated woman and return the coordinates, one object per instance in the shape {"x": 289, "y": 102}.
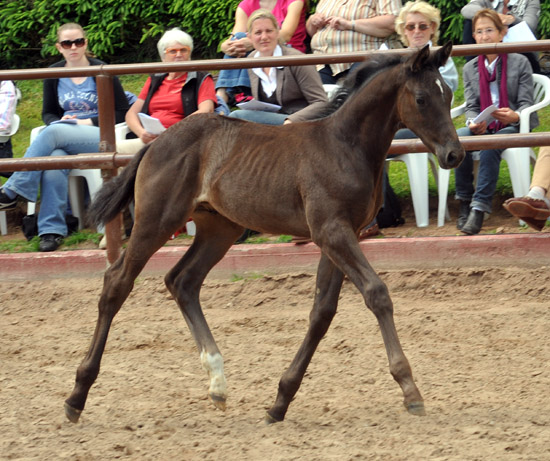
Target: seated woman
{"x": 418, "y": 25}
{"x": 511, "y": 13}
{"x": 74, "y": 102}
{"x": 505, "y": 81}
{"x": 169, "y": 97}
{"x": 291, "y": 17}
{"x": 297, "y": 89}
{"x": 534, "y": 208}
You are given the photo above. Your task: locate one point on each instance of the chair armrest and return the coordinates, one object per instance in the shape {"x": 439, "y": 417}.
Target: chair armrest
{"x": 121, "y": 130}
{"x": 36, "y": 131}
{"x": 458, "y": 110}
{"x": 525, "y": 114}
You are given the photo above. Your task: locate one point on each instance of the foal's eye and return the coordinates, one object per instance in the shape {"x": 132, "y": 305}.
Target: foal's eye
{"x": 420, "y": 101}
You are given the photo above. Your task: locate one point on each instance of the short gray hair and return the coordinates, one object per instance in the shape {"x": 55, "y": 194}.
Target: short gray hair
{"x": 171, "y": 36}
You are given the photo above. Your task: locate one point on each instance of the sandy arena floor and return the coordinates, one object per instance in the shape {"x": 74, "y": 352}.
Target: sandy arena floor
{"x": 477, "y": 339}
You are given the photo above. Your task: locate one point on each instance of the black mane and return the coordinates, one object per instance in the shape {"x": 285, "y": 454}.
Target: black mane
{"x": 359, "y": 77}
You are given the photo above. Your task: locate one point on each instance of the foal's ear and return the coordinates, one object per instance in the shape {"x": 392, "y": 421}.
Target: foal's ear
{"x": 418, "y": 61}
{"x": 441, "y": 55}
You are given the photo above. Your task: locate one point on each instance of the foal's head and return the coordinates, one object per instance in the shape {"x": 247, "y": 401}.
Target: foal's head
{"x": 424, "y": 102}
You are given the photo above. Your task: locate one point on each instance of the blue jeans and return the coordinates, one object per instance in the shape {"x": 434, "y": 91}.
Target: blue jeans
{"x": 59, "y": 139}
{"x": 487, "y": 176}
{"x": 233, "y": 78}
{"x": 260, "y": 116}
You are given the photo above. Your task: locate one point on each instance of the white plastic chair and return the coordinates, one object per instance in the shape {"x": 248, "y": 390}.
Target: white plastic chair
{"x": 417, "y": 168}
{"x": 518, "y": 158}
{"x": 5, "y": 138}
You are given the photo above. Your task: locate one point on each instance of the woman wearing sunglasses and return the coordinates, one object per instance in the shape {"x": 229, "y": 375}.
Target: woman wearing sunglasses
{"x": 70, "y": 111}
{"x": 418, "y": 25}
{"x": 169, "y": 97}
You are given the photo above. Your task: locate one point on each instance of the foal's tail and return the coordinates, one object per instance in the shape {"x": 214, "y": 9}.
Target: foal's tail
{"x": 117, "y": 193}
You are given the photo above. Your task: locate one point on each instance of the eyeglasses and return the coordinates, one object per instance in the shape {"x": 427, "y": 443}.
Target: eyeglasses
{"x": 68, "y": 44}
{"x": 487, "y": 31}
{"x": 175, "y": 51}
{"x": 421, "y": 26}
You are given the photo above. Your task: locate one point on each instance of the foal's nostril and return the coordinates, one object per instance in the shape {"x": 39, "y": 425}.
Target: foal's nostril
{"x": 453, "y": 158}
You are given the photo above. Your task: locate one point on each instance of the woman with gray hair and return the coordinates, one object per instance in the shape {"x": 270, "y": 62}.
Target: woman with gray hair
{"x": 169, "y": 97}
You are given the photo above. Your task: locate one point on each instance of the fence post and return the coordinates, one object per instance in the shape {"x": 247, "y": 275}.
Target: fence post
{"x": 107, "y": 143}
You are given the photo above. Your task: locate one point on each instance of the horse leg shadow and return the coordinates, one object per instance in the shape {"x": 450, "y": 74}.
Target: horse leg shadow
{"x": 215, "y": 235}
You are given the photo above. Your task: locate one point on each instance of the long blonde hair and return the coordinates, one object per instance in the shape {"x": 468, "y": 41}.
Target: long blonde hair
{"x": 70, "y": 26}
{"x": 431, "y": 13}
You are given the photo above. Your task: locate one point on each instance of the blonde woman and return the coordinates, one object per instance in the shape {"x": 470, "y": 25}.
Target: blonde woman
{"x": 418, "y": 25}
{"x": 297, "y": 89}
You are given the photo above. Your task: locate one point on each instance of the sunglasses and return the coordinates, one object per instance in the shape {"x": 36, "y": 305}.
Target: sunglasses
{"x": 68, "y": 44}
{"x": 411, "y": 27}
{"x": 175, "y": 51}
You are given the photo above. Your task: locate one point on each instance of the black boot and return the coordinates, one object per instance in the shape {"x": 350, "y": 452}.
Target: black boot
{"x": 474, "y": 223}
{"x": 463, "y": 212}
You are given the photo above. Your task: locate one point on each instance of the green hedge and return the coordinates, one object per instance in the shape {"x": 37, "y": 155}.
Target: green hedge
{"x": 127, "y": 30}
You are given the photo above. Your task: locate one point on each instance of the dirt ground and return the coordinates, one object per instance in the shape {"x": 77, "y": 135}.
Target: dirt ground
{"x": 477, "y": 340}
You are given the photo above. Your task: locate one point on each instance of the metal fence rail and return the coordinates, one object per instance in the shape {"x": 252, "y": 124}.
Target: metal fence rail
{"x": 108, "y": 160}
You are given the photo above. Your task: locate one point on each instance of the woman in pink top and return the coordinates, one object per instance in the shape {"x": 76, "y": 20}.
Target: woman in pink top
{"x": 291, "y": 16}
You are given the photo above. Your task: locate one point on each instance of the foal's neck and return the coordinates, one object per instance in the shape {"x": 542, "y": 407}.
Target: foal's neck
{"x": 372, "y": 115}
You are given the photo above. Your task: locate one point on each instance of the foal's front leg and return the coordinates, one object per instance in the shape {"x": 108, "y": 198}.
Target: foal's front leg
{"x": 347, "y": 255}
{"x": 328, "y": 285}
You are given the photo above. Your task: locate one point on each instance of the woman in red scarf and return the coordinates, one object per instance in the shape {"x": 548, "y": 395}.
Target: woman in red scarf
{"x": 504, "y": 81}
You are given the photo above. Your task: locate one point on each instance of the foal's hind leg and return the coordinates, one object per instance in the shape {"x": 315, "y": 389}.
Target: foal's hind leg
{"x": 119, "y": 279}
{"x": 346, "y": 253}
{"x": 328, "y": 285}
{"x": 215, "y": 235}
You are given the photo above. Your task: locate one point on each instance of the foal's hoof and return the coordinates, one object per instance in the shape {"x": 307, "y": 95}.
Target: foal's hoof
{"x": 218, "y": 401}
{"x": 71, "y": 413}
{"x": 270, "y": 419}
{"x": 416, "y": 408}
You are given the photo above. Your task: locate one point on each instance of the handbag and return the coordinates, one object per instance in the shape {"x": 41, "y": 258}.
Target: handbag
{"x": 29, "y": 225}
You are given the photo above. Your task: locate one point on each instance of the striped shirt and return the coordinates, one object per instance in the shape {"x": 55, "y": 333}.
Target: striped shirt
{"x": 328, "y": 40}
{"x": 8, "y": 101}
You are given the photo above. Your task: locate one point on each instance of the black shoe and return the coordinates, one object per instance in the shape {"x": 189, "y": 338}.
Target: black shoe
{"x": 6, "y": 203}
{"x": 463, "y": 212}
{"x": 50, "y": 242}
{"x": 474, "y": 223}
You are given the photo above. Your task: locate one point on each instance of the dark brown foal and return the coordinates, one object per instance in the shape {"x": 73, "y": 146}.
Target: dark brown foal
{"x": 318, "y": 179}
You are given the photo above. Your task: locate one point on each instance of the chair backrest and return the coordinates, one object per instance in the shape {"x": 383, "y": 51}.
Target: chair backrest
{"x": 541, "y": 88}
{"x": 14, "y": 127}
{"x": 541, "y": 97}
